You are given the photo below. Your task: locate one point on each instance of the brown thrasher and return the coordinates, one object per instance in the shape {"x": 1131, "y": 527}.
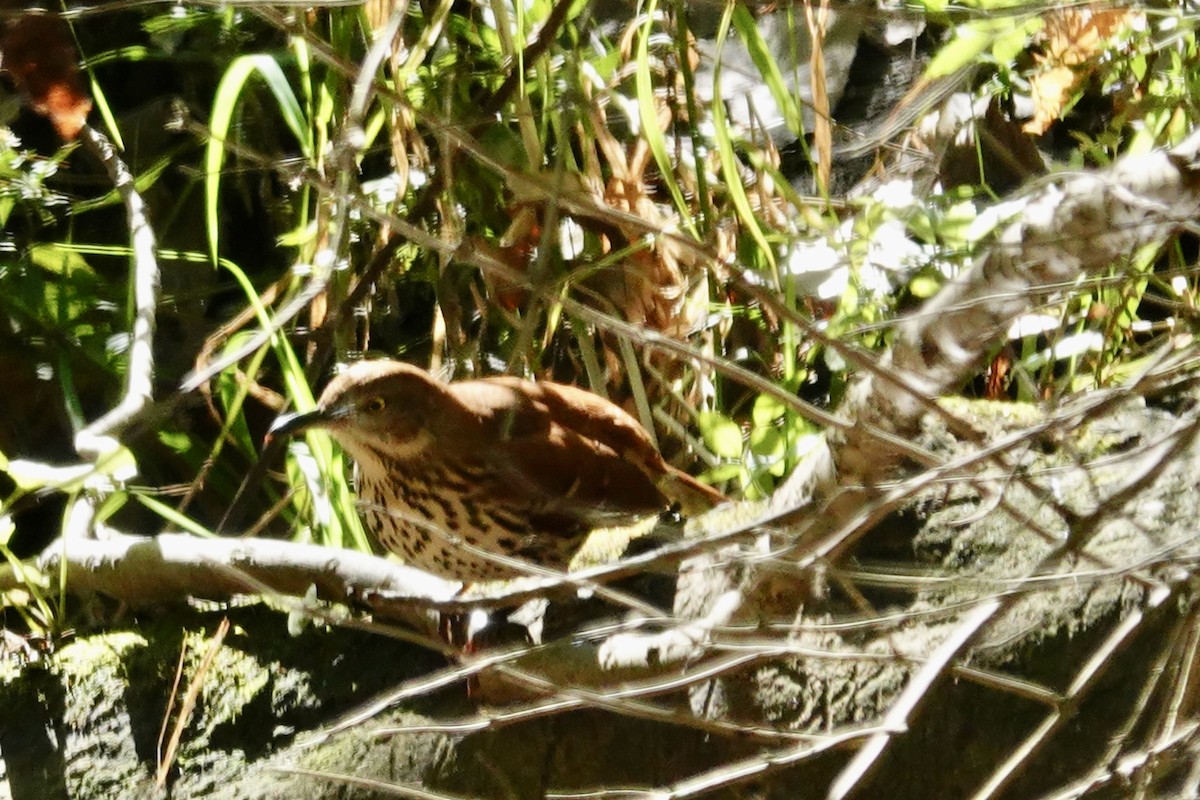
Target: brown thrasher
{"x": 462, "y": 478}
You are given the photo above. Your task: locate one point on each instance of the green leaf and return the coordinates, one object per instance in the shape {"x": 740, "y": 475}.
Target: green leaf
{"x": 723, "y": 473}
{"x": 924, "y": 286}
{"x": 921, "y": 225}
{"x": 1009, "y": 45}
{"x": 721, "y": 434}
{"x": 969, "y": 43}
{"x": 59, "y": 260}
{"x": 956, "y": 223}
{"x": 178, "y": 441}
{"x": 766, "y": 442}
{"x": 767, "y": 409}
{"x": 147, "y": 176}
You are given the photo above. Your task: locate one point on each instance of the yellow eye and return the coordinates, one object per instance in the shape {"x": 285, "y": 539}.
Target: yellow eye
{"x": 375, "y": 405}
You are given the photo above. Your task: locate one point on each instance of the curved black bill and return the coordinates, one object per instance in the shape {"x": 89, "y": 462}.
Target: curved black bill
{"x": 291, "y": 424}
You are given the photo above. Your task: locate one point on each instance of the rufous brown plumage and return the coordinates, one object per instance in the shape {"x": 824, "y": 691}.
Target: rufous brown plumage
{"x": 471, "y": 480}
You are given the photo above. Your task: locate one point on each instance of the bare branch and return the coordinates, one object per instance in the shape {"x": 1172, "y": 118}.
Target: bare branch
{"x": 96, "y": 439}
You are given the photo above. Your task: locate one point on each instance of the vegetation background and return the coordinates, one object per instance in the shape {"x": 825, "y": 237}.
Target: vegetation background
{"x": 576, "y": 191}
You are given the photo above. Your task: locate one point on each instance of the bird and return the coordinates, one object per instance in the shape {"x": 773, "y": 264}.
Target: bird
{"x": 491, "y": 478}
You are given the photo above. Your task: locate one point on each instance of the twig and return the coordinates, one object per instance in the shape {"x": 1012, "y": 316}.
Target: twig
{"x": 189, "y": 702}
{"x": 1128, "y": 766}
{"x": 375, "y": 785}
{"x": 98, "y": 439}
{"x": 976, "y": 622}
{"x": 172, "y": 567}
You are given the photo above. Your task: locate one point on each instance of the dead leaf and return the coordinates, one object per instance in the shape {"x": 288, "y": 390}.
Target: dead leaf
{"x": 1072, "y": 38}
{"x": 39, "y": 55}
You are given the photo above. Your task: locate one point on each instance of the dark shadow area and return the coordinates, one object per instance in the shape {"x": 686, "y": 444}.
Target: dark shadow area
{"x": 31, "y": 739}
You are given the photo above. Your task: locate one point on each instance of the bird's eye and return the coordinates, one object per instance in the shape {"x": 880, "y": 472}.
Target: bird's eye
{"x": 375, "y": 405}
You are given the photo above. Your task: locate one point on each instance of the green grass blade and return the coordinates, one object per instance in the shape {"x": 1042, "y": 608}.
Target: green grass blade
{"x": 649, "y": 114}
{"x": 173, "y": 517}
{"x": 233, "y": 82}
{"x": 729, "y": 161}
{"x": 760, "y": 54}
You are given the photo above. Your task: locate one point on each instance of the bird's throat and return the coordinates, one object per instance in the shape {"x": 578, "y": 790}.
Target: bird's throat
{"x": 382, "y": 453}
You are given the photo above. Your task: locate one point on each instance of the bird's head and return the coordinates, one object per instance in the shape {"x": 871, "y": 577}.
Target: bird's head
{"x": 376, "y": 410}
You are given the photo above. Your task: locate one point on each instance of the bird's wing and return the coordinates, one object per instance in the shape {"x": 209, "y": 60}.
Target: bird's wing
{"x": 604, "y": 422}
{"x": 586, "y": 414}
{"x": 556, "y": 442}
